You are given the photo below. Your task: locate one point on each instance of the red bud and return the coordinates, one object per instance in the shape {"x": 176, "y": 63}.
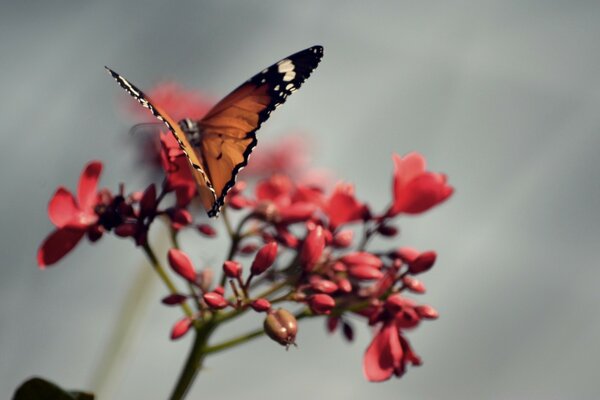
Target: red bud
{"x": 365, "y": 272}
{"x": 313, "y": 247}
{"x": 181, "y": 327}
{"x": 323, "y": 285}
{"x": 174, "y": 299}
{"x": 344, "y": 285}
{"x": 207, "y": 230}
{"x": 427, "y": 312}
{"x": 148, "y": 201}
{"x": 232, "y": 269}
{"x": 321, "y": 303}
{"x": 220, "y": 290}
{"x": 260, "y": 305}
{"x": 182, "y": 265}
{"x": 126, "y": 229}
{"x": 422, "y": 263}
{"x": 215, "y": 300}
{"x": 413, "y": 285}
{"x": 180, "y": 217}
{"x": 264, "y": 258}
{"x": 343, "y": 239}
{"x": 362, "y": 258}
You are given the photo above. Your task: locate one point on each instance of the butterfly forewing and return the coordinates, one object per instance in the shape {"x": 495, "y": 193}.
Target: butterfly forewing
{"x": 228, "y": 131}
{"x": 229, "y": 128}
{"x": 205, "y": 190}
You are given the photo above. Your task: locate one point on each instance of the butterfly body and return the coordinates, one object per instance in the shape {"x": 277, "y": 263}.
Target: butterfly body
{"x": 218, "y": 145}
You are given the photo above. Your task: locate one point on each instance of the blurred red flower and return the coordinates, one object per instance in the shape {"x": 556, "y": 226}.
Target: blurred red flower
{"x": 72, "y": 217}
{"x": 416, "y": 190}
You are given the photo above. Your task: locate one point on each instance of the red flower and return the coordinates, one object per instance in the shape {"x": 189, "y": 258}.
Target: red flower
{"x": 342, "y": 207}
{"x": 73, "y": 217}
{"x": 178, "y": 102}
{"x": 388, "y": 354}
{"x": 288, "y": 156}
{"x": 416, "y": 190}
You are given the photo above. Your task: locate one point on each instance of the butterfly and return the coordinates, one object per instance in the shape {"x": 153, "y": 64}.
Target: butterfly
{"x": 218, "y": 145}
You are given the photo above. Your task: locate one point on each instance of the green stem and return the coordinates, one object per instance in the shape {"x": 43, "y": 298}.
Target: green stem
{"x": 165, "y": 277}
{"x": 194, "y": 361}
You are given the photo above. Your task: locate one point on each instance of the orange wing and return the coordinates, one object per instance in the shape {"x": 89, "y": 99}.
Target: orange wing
{"x": 205, "y": 189}
{"x": 229, "y": 129}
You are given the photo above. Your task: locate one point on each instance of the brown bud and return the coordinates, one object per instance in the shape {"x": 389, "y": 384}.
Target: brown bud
{"x": 281, "y": 326}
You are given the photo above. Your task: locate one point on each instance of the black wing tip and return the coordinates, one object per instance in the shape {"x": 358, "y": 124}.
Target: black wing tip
{"x": 110, "y": 71}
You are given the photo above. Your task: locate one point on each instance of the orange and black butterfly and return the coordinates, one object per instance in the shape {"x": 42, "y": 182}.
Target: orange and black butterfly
{"x": 218, "y": 145}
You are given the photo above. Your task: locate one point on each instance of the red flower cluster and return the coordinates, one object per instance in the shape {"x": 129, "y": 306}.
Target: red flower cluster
{"x": 301, "y": 237}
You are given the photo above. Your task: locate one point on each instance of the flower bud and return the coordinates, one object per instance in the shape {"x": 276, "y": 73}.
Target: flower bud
{"x": 313, "y": 247}
{"x": 94, "y": 233}
{"x": 205, "y": 278}
{"x": 365, "y": 272}
{"x": 297, "y": 212}
{"x": 427, "y": 312}
{"x": 344, "y": 285}
{"x": 248, "y": 249}
{"x": 237, "y": 202}
{"x": 232, "y": 269}
{"x": 148, "y": 201}
{"x": 387, "y": 230}
{"x": 215, "y": 300}
{"x": 321, "y": 303}
{"x": 322, "y": 285}
{"x": 332, "y": 324}
{"x": 339, "y": 267}
{"x": 281, "y": 326}
{"x": 260, "y": 305}
{"x": 181, "y": 327}
{"x": 174, "y": 299}
{"x": 422, "y": 263}
{"x": 264, "y": 258}
{"x": 362, "y": 258}
{"x": 413, "y": 285}
{"x": 207, "y": 230}
{"x": 220, "y": 290}
{"x": 343, "y": 239}
{"x": 180, "y": 217}
{"x": 182, "y": 265}
{"x": 348, "y": 331}
{"x": 126, "y": 230}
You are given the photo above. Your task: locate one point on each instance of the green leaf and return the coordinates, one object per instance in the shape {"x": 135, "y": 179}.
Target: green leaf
{"x": 40, "y": 389}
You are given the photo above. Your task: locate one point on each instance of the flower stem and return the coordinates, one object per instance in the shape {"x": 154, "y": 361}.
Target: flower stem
{"x": 165, "y": 277}
{"x": 194, "y": 361}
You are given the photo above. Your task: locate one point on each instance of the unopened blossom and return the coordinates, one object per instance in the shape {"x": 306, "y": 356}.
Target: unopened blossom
{"x": 181, "y": 263}
{"x": 181, "y": 327}
{"x": 312, "y": 248}
{"x": 264, "y": 258}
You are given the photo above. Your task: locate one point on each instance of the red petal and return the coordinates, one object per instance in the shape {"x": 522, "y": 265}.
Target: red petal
{"x": 383, "y": 354}
{"x": 181, "y": 263}
{"x": 62, "y": 208}
{"x": 422, "y": 193}
{"x": 342, "y": 207}
{"x": 88, "y": 185}
{"x": 57, "y": 245}
{"x": 407, "y": 168}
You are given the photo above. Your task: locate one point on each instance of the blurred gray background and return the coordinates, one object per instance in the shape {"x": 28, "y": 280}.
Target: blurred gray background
{"x": 503, "y": 96}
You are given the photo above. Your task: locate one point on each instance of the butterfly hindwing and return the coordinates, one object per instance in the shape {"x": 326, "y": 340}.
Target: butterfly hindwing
{"x": 229, "y": 128}
{"x": 205, "y": 189}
